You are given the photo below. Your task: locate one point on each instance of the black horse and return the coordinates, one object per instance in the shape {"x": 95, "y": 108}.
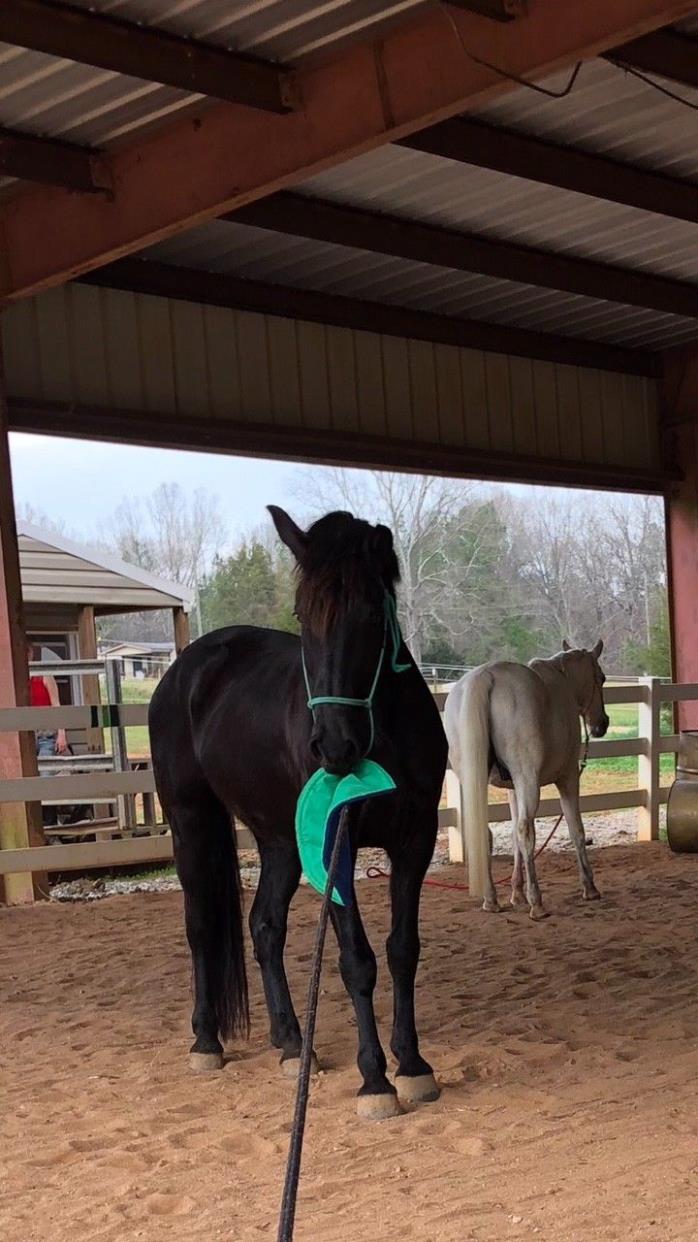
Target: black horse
{"x": 233, "y": 738}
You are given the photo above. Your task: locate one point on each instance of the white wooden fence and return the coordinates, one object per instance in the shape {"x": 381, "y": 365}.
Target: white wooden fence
{"x": 94, "y": 786}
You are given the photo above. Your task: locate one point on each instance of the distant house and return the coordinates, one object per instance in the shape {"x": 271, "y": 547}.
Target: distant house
{"x": 140, "y": 659}
{"x": 67, "y": 585}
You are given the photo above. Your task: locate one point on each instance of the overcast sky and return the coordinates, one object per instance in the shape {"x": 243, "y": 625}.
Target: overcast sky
{"x": 81, "y": 482}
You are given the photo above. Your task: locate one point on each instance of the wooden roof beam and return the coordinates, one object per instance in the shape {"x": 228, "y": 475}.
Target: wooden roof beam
{"x": 468, "y": 252}
{"x": 205, "y": 164}
{"x": 49, "y": 162}
{"x": 664, "y": 54}
{"x": 145, "y": 52}
{"x": 216, "y": 289}
{"x": 568, "y": 168}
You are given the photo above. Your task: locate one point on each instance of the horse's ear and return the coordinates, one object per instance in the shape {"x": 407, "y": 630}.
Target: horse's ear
{"x": 565, "y": 645}
{"x": 382, "y": 540}
{"x": 289, "y": 533}
{"x": 596, "y": 651}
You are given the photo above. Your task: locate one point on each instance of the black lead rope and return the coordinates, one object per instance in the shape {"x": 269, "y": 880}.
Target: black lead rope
{"x": 295, "y": 1151}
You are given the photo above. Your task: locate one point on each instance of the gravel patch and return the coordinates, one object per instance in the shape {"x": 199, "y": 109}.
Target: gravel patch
{"x": 603, "y": 830}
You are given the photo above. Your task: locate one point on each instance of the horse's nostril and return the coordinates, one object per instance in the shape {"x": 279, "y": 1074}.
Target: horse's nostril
{"x": 315, "y": 749}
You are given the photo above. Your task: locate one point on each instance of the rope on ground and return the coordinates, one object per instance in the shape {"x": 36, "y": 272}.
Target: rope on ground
{"x": 295, "y": 1151}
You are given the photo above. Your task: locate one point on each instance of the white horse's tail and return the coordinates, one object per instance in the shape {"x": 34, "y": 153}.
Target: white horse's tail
{"x": 467, "y": 723}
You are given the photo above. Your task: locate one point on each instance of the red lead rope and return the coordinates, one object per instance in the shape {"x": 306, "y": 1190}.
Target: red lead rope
{"x": 377, "y": 873}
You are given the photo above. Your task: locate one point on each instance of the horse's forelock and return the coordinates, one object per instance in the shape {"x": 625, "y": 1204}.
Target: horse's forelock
{"x": 343, "y": 559}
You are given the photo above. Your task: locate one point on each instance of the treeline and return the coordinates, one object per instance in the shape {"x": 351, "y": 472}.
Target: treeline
{"x": 485, "y": 573}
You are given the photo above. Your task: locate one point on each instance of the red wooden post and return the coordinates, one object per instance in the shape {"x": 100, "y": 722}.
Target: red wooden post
{"x": 20, "y": 822}
{"x": 682, "y": 547}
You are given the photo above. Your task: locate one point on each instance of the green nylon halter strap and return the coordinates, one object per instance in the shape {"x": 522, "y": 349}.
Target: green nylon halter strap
{"x": 391, "y": 629}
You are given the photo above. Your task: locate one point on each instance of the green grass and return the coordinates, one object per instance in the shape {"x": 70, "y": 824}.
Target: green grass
{"x": 137, "y": 740}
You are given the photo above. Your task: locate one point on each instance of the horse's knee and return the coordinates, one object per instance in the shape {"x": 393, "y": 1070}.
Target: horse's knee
{"x": 267, "y": 936}
{"x": 402, "y": 954}
{"x": 359, "y": 972}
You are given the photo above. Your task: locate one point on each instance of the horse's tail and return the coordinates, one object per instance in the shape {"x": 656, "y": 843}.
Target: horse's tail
{"x": 219, "y": 879}
{"x": 467, "y": 722}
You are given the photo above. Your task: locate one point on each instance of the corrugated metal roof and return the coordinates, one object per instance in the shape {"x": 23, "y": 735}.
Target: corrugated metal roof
{"x": 262, "y": 255}
{"x": 612, "y": 112}
{"x": 410, "y": 184}
{"x": 58, "y": 98}
{"x": 55, "y": 570}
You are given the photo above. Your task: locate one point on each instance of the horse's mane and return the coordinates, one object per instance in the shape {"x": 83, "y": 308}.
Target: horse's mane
{"x": 345, "y": 560}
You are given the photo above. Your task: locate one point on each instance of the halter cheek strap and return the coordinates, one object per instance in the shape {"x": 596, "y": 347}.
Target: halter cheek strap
{"x": 391, "y": 632}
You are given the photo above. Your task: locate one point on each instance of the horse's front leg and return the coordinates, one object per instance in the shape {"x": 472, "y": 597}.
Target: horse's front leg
{"x": 415, "y": 1080}
{"x": 377, "y": 1097}
{"x": 569, "y": 800}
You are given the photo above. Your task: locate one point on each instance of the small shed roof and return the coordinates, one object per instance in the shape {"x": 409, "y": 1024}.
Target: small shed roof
{"x": 57, "y": 571}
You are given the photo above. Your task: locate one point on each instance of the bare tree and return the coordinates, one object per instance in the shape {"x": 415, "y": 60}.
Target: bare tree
{"x": 170, "y": 533}
{"x": 418, "y": 510}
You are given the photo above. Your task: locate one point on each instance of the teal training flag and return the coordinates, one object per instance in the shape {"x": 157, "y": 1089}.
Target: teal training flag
{"x": 319, "y": 807}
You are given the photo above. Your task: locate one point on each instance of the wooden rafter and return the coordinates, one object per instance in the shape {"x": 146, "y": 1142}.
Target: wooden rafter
{"x": 550, "y": 163}
{"x": 144, "y": 52}
{"x": 664, "y": 54}
{"x": 469, "y": 252}
{"x": 50, "y": 162}
{"x": 214, "y": 289}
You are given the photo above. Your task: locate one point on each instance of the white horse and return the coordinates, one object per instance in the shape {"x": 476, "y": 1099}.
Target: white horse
{"x": 516, "y": 726}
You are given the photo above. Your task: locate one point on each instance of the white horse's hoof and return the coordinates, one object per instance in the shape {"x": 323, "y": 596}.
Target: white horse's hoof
{"x": 205, "y": 1062}
{"x": 592, "y": 895}
{"x": 291, "y": 1067}
{"x": 492, "y": 907}
{"x": 422, "y": 1089}
{"x": 378, "y": 1107}
{"x": 517, "y": 899}
{"x": 538, "y": 912}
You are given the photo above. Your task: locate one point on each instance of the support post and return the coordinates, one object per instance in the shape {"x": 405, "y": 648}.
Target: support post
{"x": 182, "y": 634}
{"x": 456, "y": 832}
{"x": 87, "y": 649}
{"x": 20, "y": 822}
{"x": 682, "y": 555}
{"x": 126, "y": 803}
{"x": 648, "y": 763}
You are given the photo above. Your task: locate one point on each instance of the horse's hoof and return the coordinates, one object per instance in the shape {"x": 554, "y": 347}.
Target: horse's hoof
{"x": 492, "y": 907}
{"x": 593, "y": 894}
{"x": 378, "y": 1107}
{"x": 538, "y": 912}
{"x": 291, "y": 1066}
{"x": 422, "y": 1089}
{"x": 517, "y": 899}
{"x": 204, "y": 1062}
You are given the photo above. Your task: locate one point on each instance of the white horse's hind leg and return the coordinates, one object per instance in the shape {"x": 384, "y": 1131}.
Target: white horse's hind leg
{"x": 569, "y": 800}
{"x": 527, "y": 798}
{"x": 517, "y": 892}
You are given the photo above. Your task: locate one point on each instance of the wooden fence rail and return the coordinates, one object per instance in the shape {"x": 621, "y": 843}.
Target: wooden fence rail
{"x": 647, "y": 796}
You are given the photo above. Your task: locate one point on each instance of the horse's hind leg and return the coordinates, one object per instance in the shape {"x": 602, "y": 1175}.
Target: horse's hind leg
{"x": 569, "y": 800}
{"x": 527, "y": 799}
{"x": 415, "y": 1080}
{"x": 207, "y": 868}
{"x": 517, "y": 892}
{"x": 377, "y": 1098}
{"x": 279, "y": 878}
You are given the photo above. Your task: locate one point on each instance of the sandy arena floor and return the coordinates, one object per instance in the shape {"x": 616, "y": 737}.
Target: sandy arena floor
{"x": 568, "y": 1051}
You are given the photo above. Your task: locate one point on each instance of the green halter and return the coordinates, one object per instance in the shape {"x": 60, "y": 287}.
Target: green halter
{"x": 392, "y": 635}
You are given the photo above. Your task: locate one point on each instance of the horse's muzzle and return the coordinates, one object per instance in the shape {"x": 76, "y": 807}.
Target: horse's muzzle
{"x": 600, "y": 728}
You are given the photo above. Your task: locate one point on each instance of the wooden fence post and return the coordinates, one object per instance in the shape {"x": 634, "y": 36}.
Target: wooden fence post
{"x": 87, "y": 649}
{"x": 648, "y": 763}
{"x": 456, "y": 832}
{"x": 20, "y": 822}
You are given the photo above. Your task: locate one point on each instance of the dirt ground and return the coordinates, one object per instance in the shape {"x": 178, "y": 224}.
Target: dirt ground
{"x": 567, "y": 1050}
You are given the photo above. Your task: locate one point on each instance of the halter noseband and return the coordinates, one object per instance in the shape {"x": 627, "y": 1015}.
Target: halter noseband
{"x": 392, "y": 633}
